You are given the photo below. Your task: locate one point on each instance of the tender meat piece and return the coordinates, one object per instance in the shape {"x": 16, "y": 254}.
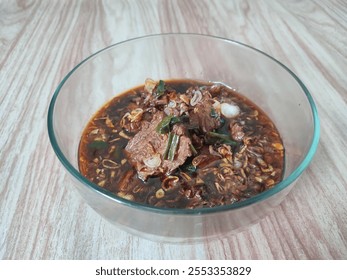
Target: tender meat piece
{"x": 145, "y": 146}
{"x": 237, "y": 132}
{"x": 146, "y": 149}
{"x": 201, "y": 115}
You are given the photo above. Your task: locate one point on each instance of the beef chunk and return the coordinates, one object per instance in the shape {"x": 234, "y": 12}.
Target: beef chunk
{"x": 201, "y": 115}
{"x": 146, "y": 149}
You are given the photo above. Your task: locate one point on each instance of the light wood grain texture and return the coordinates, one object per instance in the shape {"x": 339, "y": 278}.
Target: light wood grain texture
{"x": 40, "y": 41}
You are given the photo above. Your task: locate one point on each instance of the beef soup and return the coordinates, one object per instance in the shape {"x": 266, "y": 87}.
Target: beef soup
{"x": 182, "y": 144}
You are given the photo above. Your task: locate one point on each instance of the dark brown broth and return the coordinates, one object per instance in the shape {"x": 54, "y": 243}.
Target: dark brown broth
{"x": 261, "y": 155}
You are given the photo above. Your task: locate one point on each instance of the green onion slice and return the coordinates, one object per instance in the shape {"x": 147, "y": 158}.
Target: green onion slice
{"x": 168, "y": 145}
{"x": 173, "y": 147}
{"x": 222, "y": 138}
{"x": 161, "y": 88}
{"x": 97, "y": 144}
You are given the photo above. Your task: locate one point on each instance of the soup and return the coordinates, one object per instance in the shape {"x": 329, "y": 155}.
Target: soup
{"x": 182, "y": 144}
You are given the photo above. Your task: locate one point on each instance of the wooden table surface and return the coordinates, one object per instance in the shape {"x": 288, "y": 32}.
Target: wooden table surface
{"x": 41, "y": 217}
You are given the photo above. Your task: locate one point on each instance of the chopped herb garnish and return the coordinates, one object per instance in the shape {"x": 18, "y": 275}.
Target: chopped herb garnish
{"x": 168, "y": 145}
{"x": 221, "y": 138}
{"x": 189, "y": 168}
{"x": 175, "y": 120}
{"x": 193, "y": 149}
{"x": 161, "y": 88}
{"x": 98, "y": 145}
{"x": 173, "y": 147}
{"x": 163, "y": 126}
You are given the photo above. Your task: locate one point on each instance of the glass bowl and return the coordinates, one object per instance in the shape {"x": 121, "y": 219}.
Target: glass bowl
{"x": 111, "y": 71}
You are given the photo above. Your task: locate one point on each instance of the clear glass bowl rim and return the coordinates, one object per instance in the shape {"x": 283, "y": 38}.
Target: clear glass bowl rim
{"x": 169, "y": 211}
